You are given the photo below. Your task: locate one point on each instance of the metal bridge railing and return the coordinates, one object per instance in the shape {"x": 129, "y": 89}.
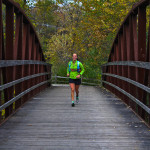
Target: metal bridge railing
{"x": 85, "y": 81}
{"x": 127, "y": 73}
{"x": 23, "y": 70}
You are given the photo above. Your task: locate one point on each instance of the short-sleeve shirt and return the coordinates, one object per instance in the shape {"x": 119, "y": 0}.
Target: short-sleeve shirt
{"x": 73, "y": 69}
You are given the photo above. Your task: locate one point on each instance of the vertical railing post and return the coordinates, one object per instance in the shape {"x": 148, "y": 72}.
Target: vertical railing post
{"x": 108, "y": 79}
{"x": 37, "y": 66}
{"x": 148, "y": 53}
{"x": 146, "y": 96}
{"x": 141, "y": 51}
{"x": 131, "y": 57}
{"x": 115, "y": 67}
{"x": 18, "y": 56}
{"x": 40, "y": 70}
{"x": 32, "y": 66}
{"x": 34, "y": 58}
{"x": 29, "y": 69}
{"x": 147, "y": 76}
{"x": 124, "y": 58}
{"x": 102, "y": 76}
{"x": 111, "y": 71}
{"x": 45, "y": 68}
{"x": 55, "y": 78}
{"x": 121, "y": 59}
{"x": 1, "y": 42}
{"x": 135, "y": 41}
{"x": 119, "y": 68}
{"x": 28, "y": 54}
{"x": 9, "y": 92}
{"x": 24, "y": 44}
{"x": 50, "y": 75}
{"x": 128, "y": 38}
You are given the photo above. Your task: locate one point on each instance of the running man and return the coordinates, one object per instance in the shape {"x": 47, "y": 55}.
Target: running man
{"x": 74, "y": 71}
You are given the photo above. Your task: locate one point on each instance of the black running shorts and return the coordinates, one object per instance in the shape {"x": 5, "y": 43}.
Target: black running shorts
{"x": 75, "y": 81}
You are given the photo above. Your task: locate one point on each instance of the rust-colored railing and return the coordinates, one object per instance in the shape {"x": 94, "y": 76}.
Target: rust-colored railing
{"x": 127, "y": 73}
{"x": 23, "y": 70}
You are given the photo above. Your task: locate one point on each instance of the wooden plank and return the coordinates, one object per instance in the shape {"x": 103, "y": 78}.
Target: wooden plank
{"x": 99, "y": 121}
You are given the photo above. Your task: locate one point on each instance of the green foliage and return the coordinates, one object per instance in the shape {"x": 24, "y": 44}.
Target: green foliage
{"x": 61, "y": 70}
{"x": 88, "y": 29}
{"x": 84, "y": 27}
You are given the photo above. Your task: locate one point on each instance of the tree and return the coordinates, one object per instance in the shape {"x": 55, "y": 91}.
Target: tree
{"x": 88, "y": 28}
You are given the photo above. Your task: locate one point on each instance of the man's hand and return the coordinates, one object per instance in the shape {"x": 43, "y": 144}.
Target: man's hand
{"x": 67, "y": 75}
{"x": 78, "y": 76}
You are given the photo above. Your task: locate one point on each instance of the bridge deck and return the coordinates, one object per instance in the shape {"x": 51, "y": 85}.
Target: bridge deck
{"x": 99, "y": 122}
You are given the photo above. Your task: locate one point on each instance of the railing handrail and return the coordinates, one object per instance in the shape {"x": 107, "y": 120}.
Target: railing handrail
{"x": 130, "y": 96}
{"x": 92, "y": 83}
{"x": 146, "y": 88}
{"x": 7, "y": 85}
{"x": 8, "y": 103}
{"x": 139, "y": 64}
{"x": 8, "y": 63}
{"x": 82, "y": 78}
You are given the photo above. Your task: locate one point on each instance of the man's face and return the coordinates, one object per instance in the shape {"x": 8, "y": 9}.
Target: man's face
{"x": 74, "y": 57}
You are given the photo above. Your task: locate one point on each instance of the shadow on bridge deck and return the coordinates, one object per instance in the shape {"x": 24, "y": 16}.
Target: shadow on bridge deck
{"x": 99, "y": 122}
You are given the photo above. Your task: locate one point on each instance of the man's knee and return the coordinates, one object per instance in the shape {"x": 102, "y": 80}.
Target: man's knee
{"x": 77, "y": 90}
{"x": 72, "y": 89}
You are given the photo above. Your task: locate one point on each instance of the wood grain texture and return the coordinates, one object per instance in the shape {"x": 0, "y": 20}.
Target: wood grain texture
{"x": 99, "y": 122}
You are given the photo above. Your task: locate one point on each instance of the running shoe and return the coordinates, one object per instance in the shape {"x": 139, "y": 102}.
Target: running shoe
{"x": 73, "y": 105}
{"x": 77, "y": 99}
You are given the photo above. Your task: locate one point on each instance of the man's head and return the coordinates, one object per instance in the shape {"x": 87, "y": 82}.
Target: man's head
{"x": 74, "y": 57}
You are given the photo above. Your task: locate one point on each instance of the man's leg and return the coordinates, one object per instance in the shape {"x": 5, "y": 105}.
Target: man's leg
{"x": 72, "y": 86}
{"x": 77, "y": 92}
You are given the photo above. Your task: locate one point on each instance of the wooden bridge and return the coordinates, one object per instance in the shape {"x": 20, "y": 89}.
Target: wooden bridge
{"x": 101, "y": 120}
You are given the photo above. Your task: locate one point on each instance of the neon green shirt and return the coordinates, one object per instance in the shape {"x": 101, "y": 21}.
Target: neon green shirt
{"x": 73, "y": 74}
